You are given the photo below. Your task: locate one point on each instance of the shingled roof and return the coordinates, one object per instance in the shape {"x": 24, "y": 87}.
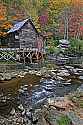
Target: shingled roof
{"x": 19, "y": 25}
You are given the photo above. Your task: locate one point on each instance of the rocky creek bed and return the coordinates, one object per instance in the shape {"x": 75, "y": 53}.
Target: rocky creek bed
{"x": 36, "y": 98}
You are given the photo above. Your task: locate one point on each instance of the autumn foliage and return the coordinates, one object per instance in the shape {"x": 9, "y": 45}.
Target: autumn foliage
{"x": 75, "y": 20}
{"x": 44, "y": 13}
{"x": 3, "y": 11}
{"x": 6, "y": 25}
{"x": 8, "y": 14}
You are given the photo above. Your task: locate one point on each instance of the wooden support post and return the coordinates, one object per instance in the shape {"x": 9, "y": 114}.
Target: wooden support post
{"x": 30, "y": 58}
{"x": 24, "y": 56}
{"x": 37, "y": 55}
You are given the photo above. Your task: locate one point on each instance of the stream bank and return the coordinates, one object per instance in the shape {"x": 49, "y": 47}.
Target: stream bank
{"x": 31, "y": 94}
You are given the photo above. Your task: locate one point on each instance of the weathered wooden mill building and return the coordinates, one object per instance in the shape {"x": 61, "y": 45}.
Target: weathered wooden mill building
{"x": 24, "y": 37}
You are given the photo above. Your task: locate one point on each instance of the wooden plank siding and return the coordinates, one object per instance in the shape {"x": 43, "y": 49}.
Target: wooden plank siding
{"x": 25, "y": 37}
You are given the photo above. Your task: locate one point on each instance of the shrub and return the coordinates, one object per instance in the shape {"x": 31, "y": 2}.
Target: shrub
{"x": 63, "y": 120}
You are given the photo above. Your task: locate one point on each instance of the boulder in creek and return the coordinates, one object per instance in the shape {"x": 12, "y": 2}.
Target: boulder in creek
{"x": 74, "y": 118}
{"x": 63, "y": 74}
{"x": 80, "y": 89}
{"x": 21, "y": 107}
{"x": 23, "y": 112}
{"x": 66, "y": 83}
{"x": 69, "y": 67}
{"x": 47, "y": 76}
{"x": 21, "y": 91}
{"x": 81, "y": 77}
{"x": 60, "y": 78}
{"x": 25, "y": 88}
{"x": 12, "y": 111}
{"x": 63, "y": 103}
{"x": 69, "y": 80}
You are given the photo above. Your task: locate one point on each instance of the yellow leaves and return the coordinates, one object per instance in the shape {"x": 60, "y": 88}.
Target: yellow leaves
{"x": 32, "y": 10}
{"x": 55, "y": 7}
{"x": 6, "y": 25}
{"x": 2, "y": 12}
{"x": 3, "y": 34}
{"x": 3, "y": 9}
{"x": 57, "y": 4}
{"x": 2, "y": 17}
{"x": 14, "y": 17}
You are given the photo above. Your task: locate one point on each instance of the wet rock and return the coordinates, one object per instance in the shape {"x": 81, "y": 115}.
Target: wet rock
{"x": 75, "y": 119}
{"x": 14, "y": 119}
{"x": 23, "y": 112}
{"x": 25, "y": 89}
{"x": 3, "y": 100}
{"x": 48, "y": 88}
{"x": 38, "y": 74}
{"x": 12, "y": 111}
{"x": 63, "y": 73}
{"x": 79, "y": 70}
{"x": 25, "y": 85}
{"x": 21, "y": 76}
{"x": 41, "y": 101}
{"x": 54, "y": 77}
{"x": 69, "y": 67}
{"x": 32, "y": 72}
{"x": 80, "y": 89}
{"x": 32, "y": 116}
{"x": 47, "y": 81}
{"x": 21, "y": 107}
{"x": 52, "y": 73}
{"x": 62, "y": 103}
{"x": 21, "y": 91}
{"x": 41, "y": 80}
{"x": 69, "y": 80}
{"x": 50, "y": 115}
{"x": 28, "y": 113}
{"x": 42, "y": 121}
{"x": 47, "y": 76}
{"x": 81, "y": 77}
{"x": 20, "y": 120}
{"x": 30, "y": 85}
{"x": 66, "y": 83}
{"x": 53, "y": 70}
{"x": 60, "y": 78}
{"x": 8, "y": 76}
{"x": 63, "y": 70}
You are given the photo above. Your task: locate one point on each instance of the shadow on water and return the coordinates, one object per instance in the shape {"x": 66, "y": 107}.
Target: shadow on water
{"x": 9, "y": 91}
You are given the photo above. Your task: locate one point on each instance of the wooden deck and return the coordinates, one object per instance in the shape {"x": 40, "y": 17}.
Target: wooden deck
{"x": 23, "y": 55}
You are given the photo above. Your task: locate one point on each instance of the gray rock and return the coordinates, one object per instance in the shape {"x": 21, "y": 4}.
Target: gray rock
{"x": 23, "y": 113}
{"x": 21, "y": 91}
{"x": 75, "y": 120}
{"x": 81, "y": 77}
{"x": 80, "y": 89}
{"x": 4, "y": 100}
{"x": 21, "y": 107}
{"x": 25, "y": 89}
{"x": 63, "y": 73}
{"x": 66, "y": 83}
{"x": 12, "y": 111}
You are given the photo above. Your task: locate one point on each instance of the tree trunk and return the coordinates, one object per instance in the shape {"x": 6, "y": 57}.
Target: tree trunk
{"x": 66, "y": 21}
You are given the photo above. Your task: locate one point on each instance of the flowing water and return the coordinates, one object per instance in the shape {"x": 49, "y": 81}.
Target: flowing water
{"x": 31, "y": 91}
